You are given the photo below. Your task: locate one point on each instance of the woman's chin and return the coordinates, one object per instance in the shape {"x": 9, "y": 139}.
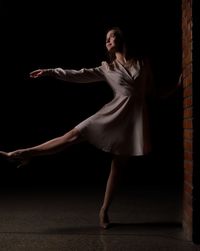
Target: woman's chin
{"x": 111, "y": 49}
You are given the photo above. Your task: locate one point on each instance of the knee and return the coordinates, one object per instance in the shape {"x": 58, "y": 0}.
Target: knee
{"x": 72, "y": 135}
{"x": 75, "y": 133}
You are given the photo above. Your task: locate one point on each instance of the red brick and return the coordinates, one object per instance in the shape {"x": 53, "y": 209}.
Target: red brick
{"x": 187, "y": 145}
{"x": 188, "y": 155}
{"x": 190, "y": 77}
{"x": 188, "y": 134}
{"x": 187, "y": 68}
{"x": 187, "y": 81}
{"x": 187, "y": 112}
{"x": 187, "y": 44}
{"x": 189, "y": 211}
{"x": 186, "y": 218}
{"x": 188, "y": 177}
{"x": 188, "y": 188}
{"x": 188, "y": 166}
{"x": 188, "y": 90}
{"x": 189, "y": 12}
{"x": 189, "y": 3}
{"x": 187, "y": 101}
{"x": 188, "y": 58}
{"x": 183, "y": 5}
{"x": 188, "y": 123}
{"x": 187, "y": 199}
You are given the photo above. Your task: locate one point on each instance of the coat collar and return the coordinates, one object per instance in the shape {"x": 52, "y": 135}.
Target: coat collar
{"x": 132, "y": 71}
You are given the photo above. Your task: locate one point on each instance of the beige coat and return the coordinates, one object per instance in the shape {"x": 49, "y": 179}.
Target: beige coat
{"x": 121, "y": 125}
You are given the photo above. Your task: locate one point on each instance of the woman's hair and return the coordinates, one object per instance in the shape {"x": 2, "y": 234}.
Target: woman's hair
{"x": 120, "y": 42}
{"x": 126, "y": 44}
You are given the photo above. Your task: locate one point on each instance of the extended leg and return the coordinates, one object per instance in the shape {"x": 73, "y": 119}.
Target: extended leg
{"x": 50, "y": 147}
{"x": 118, "y": 163}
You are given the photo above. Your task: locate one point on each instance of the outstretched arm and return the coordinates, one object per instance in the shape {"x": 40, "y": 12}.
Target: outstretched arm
{"x": 78, "y": 76}
{"x": 38, "y": 73}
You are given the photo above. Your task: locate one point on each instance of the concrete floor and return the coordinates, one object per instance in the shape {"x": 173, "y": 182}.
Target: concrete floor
{"x": 56, "y": 219}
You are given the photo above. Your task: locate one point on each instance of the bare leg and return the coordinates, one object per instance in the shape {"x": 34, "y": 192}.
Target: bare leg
{"x": 50, "y": 147}
{"x": 113, "y": 180}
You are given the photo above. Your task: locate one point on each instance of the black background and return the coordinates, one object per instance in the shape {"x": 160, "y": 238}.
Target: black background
{"x": 39, "y": 34}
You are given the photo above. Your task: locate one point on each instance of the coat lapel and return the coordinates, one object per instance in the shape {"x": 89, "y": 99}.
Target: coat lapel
{"x": 132, "y": 72}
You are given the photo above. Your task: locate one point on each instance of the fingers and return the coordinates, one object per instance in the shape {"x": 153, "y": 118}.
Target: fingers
{"x": 7, "y": 156}
{"x": 180, "y": 80}
{"x": 20, "y": 160}
{"x": 36, "y": 73}
{"x": 15, "y": 157}
{"x": 22, "y": 163}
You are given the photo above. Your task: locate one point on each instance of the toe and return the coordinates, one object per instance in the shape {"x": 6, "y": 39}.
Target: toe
{"x": 3, "y": 154}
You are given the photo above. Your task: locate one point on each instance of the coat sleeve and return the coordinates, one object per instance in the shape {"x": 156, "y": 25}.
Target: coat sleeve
{"x": 79, "y": 76}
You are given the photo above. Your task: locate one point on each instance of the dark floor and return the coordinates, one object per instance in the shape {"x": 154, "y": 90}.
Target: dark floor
{"x": 56, "y": 219}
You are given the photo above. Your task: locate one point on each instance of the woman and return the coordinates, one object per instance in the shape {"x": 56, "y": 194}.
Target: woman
{"x": 119, "y": 127}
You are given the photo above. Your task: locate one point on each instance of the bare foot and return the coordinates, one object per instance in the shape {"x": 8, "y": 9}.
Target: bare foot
{"x": 4, "y": 154}
{"x": 104, "y": 219}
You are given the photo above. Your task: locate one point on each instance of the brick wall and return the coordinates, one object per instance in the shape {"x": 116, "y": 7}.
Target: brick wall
{"x": 187, "y": 65}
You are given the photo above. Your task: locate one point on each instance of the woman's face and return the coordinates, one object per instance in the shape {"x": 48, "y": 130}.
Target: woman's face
{"x": 111, "y": 41}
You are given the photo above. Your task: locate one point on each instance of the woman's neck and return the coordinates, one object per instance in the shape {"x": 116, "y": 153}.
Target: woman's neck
{"x": 121, "y": 58}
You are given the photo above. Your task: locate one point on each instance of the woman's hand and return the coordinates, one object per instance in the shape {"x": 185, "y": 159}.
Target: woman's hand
{"x": 38, "y": 73}
{"x": 22, "y": 157}
{"x": 180, "y": 80}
